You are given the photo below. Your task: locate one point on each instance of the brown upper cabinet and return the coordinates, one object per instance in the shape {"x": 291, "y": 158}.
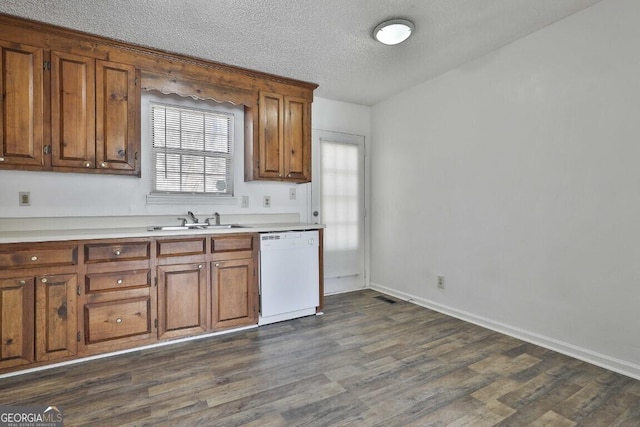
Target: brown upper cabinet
{"x": 94, "y": 114}
{"x": 71, "y": 102}
{"x": 21, "y": 105}
{"x": 91, "y": 106}
{"x": 284, "y": 139}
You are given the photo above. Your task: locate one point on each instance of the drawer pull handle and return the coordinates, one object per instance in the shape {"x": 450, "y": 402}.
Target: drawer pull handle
{"x": 44, "y": 280}
{"x": 103, "y": 164}
{"x": 87, "y": 164}
{"x": 22, "y": 282}
{"x": 118, "y": 320}
{"x": 117, "y": 252}
{"x": 1, "y": 159}
{"x": 34, "y": 258}
{"x": 119, "y": 281}
{"x": 199, "y": 266}
{"x": 217, "y": 264}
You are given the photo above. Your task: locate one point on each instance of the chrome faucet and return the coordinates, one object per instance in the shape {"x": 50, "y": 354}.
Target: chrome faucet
{"x": 192, "y": 217}
{"x": 216, "y": 218}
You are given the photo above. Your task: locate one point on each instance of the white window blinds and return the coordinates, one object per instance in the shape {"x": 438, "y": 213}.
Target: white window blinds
{"x": 192, "y": 150}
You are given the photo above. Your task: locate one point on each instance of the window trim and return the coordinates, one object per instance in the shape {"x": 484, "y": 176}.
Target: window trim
{"x": 163, "y": 201}
{"x": 186, "y": 196}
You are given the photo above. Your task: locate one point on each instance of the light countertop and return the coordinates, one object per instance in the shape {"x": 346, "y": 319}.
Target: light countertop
{"x": 25, "y": 236}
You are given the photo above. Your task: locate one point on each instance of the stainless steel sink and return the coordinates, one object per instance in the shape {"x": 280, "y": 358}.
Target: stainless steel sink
{"x": 192, "y": 227}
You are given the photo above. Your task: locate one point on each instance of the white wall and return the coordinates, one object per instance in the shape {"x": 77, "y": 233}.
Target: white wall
{"x": 71, "y": 194}
{"x": 517, "y": 177}
{"x": 340, "y": 116}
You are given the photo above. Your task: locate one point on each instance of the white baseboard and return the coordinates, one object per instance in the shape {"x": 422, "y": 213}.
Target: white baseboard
{"x": 602, "y": 360}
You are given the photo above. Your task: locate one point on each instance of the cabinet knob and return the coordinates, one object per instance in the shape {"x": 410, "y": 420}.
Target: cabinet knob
{"x": 119, "y": 281}
{"x": 103, "y": 165}
{"x": 34, "y": 258}
{"x": 118, "y": 320}
{"x": 22, "y": 282}
{"x": 87, "y": 164}
{"x": 44, "y": 280}
{"x": 1, "y": 159}
{"x": 199, "y": 266}
{"x": 117, "y": 252}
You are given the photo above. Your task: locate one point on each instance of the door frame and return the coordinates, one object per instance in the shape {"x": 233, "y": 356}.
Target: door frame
{"x": 347, "y": 137}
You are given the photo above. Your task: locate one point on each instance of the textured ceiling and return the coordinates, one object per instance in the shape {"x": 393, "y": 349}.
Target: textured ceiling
{"x": 325, "y": 42}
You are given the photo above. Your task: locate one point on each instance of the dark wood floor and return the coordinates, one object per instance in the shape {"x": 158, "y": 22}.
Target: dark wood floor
{"x": 366, "y": 362}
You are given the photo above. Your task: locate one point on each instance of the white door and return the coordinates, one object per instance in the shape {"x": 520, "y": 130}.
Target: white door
{"x": 337, "y": 199}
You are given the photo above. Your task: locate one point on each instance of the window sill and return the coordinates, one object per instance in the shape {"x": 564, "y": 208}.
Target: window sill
{"x": 192, "y": 199}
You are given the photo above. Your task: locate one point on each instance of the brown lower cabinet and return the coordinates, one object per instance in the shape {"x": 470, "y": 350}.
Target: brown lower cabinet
{"x": 117, "y": 298}
{"x": 65, "y": 300}
{"x": 38, "y": 320}
{"x": 234, "y": 280}
{"x": 235, "y": 299}
{"x": 182, "y": 299}
{"x": 17, "y": 322}
{"x": 56, "y": 318}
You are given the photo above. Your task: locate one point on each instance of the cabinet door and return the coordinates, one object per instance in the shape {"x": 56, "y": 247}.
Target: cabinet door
{"x": 271, "y": 135}
{"x": 16, "y": 321}
{"x": 73, "y": 140}
{"x": 182, "y": 300}
{"x": 21, "y": 105}
{"x": 117, "y": 118}
{"x": 235, "y": 293}
{"x": 56, "y": 317}
{"x": 297, "y": 139}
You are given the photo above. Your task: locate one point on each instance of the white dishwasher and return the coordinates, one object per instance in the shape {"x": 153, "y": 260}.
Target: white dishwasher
{"x": 289, "y": 275}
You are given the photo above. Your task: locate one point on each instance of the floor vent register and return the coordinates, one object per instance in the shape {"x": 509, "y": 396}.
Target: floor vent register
{"x": 385, "y": 299}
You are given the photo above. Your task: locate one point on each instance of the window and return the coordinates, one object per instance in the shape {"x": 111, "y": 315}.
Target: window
{"x": 341, "y": 195}
{"x": 192, "y": 151}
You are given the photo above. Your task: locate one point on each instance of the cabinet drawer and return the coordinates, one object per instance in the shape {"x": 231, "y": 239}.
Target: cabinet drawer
{"x": 234, "y": 243}
{"x": 46, "y": 256}
{"x": 195, "y": 246}
{"x": 118, "y": 251}
{"x": 117, "y": 280}
{"x": 117, "y": 319}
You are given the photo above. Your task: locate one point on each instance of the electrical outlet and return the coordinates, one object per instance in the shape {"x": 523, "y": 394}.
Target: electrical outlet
{"x": 266, "y": 202}
{"x": 245, "y": 202}
{"x": 440, "y": 280}
{"x": 292, "y": 193}
{"x": 24, "y": 199}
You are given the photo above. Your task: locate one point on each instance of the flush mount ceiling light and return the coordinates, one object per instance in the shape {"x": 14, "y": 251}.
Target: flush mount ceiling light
{"x": 393, "y": 31}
